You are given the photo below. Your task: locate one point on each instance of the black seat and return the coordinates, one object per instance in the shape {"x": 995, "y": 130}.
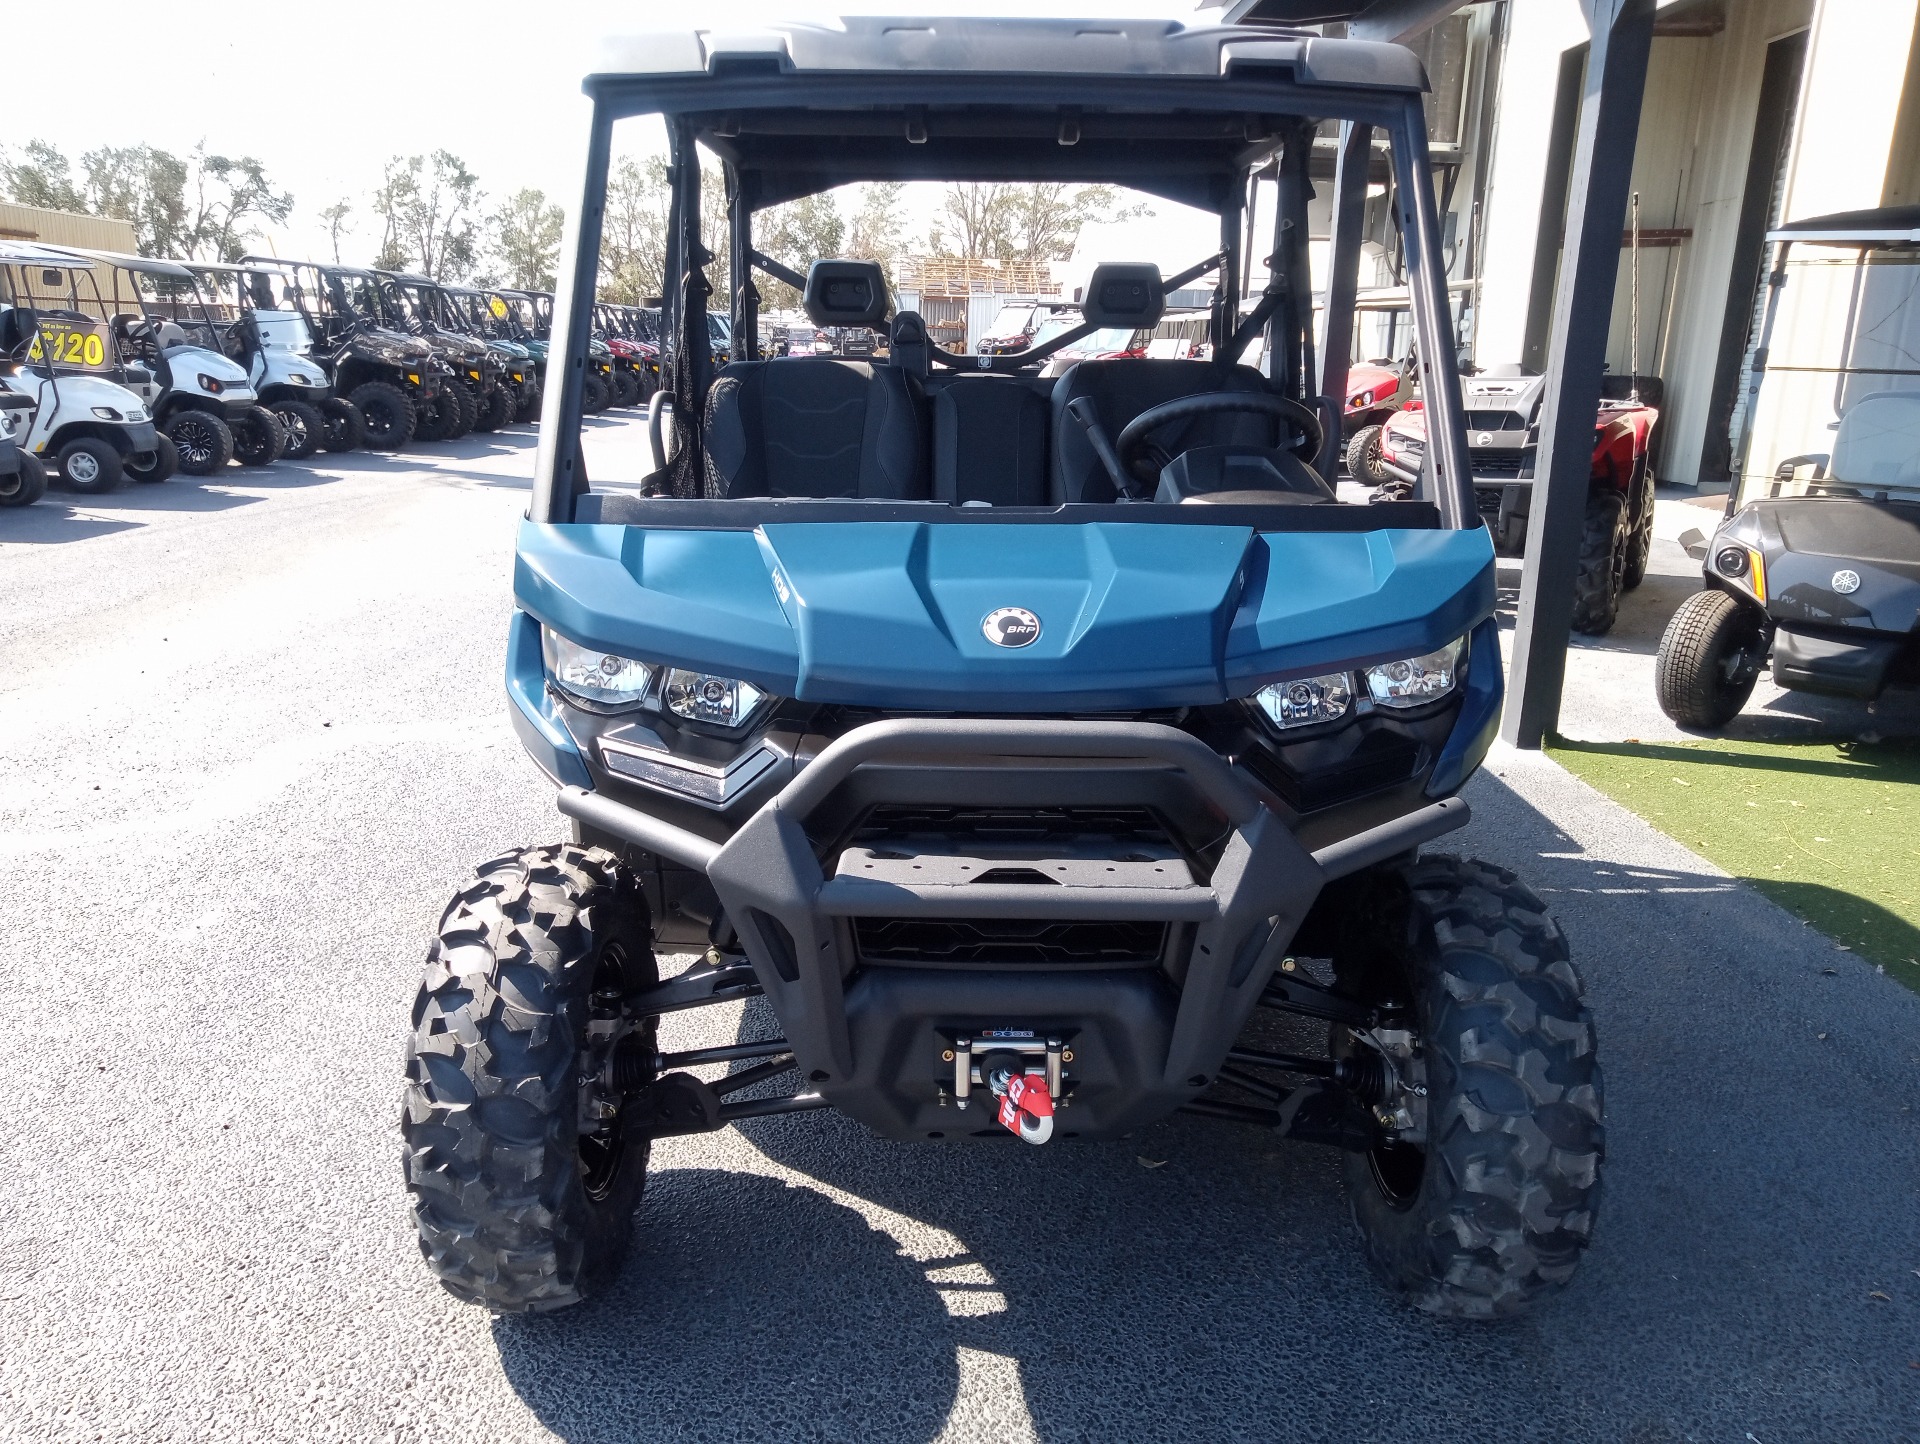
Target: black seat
{"x": 990, "y": 440}
{"x": 807, "y": 426}
{"x": 1122, "y": 390}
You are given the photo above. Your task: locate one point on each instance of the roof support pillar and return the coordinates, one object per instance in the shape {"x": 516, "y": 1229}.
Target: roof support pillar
{"x": 1576, "y": 354}
{"x": 1343, "y": 278}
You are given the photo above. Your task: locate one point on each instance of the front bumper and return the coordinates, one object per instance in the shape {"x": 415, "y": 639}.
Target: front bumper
{"x": 1838, "y": 665}
{"x": 1144, "y": 961}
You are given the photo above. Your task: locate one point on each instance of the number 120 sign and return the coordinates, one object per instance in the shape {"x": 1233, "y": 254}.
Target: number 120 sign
{"x": 77, "y": 344}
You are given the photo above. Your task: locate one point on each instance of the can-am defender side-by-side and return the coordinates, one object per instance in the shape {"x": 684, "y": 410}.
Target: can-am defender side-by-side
{"x": 1817, "y": 562}
{"x": 388, "y": 375}
{"x": 1050, "y": 755}
{"x": 485, "y": 314}
{"x": 276, "y": 350}
{"x": 57, "y": 365}
{"x": 1503, "y": 407}
{"x": 421, "y": 308}
{"x": 198, "y": 395}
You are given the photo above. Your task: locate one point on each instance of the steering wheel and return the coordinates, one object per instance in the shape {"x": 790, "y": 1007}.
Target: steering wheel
{"x": 1133, "y": 447}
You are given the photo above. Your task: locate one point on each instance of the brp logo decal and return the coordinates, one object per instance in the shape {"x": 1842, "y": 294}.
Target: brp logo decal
{"x": 1844, "y": 581}
{"x": 1011, "y": 627}
{"x": 1485, "y": 438}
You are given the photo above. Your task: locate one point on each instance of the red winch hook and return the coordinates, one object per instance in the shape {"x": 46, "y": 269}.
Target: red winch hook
{"x": 1026, "y": 1107}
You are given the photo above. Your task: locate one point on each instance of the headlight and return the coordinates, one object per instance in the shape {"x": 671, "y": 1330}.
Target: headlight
{"x": 1417, "y": 680}
{"x": 603, "y": 677}
{"x": 106, "y": 413}
{"x": 211, "y": 384}
{"x": 1307, "y": 701}
{"x": 297, "y": 379}
{"x": 702, "y": 697}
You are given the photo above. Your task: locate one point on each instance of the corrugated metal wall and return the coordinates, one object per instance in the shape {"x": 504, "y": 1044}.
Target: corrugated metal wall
{"x": 61, "y": 228}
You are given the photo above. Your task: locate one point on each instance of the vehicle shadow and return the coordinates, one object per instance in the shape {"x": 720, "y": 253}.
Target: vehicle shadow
{"x": 1201, "y": 1280}
{"x": 732, "y": 1320}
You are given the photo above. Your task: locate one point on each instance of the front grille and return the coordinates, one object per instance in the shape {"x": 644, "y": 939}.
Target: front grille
{"x": 1036, "y": 827}
{"x": 1496, "y": 421}
{"x": 1513, "y": 464}
{"x": 1008, "y": 942}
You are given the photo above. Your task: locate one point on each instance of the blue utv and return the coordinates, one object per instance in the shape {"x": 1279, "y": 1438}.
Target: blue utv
{"x": 1051, "y": 755}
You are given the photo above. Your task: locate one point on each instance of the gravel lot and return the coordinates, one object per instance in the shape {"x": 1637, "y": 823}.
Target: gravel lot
{"x": 251, "y": 736}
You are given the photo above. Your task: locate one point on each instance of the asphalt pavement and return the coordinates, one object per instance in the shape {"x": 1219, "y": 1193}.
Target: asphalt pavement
{"x": 251, "y": 737}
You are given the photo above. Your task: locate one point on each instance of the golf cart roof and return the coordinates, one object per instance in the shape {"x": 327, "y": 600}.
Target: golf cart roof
{"x": 143, "y": 264}
{"x": 1160, "y": 106}
{"x": 1885, "y": 226}
{"x": 411, "y": 278}
{"x": 26, "y": 253}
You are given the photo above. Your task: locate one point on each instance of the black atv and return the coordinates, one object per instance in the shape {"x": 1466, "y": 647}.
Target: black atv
{"x": 421, "y": 307}
{"x": 391, "y": 378}
{"x": 272, "y": 344}
{"x": 1817, "y": 562}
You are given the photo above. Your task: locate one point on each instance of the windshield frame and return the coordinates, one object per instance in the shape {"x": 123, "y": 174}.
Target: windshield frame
{"x": 682, "y": 100}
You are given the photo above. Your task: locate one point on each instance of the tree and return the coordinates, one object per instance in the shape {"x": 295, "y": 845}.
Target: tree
{"x": 875, "y": 233}
{"x": 427, "y": 207}
{"x": 335, "y": 217}
{"x": 797, "y": 234}
{"x": 633, "y": 235}
{"x": 227, "y": 194}
{"x": 1039, "y": 222}
{"x": 526, "y": 240}
{"x": 976, "y": 216}
{"x": 143, "y": 185}
{"x": 42, "y": 177}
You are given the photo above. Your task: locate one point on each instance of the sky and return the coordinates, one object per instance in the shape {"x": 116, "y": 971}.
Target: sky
{"x": 324, "y": 94}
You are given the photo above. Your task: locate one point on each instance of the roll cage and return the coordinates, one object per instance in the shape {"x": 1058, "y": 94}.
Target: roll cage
{"x": 1189, "y": 114}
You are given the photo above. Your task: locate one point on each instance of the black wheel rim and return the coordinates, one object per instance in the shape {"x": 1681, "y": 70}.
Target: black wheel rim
{"x": 601, "y": 1153}
{"x": 194, "y": 442}
{"x": 379, "y": 421}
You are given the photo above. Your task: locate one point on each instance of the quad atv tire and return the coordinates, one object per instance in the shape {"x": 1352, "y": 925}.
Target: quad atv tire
{"x": 493, "y": 410}
{"x": 90, "y": 466}
{"x": 1640, "y": 545}
{"x": 27, "y": 485}
{"x": 1710, "y": 659}
{"x": 1363, "y": 458}
{"x": 303, "y": 428}
{"x": 518, "y": 1209}
{"x": 387, "y": 417}
{"x": 1491, "y": 1213}
{"x": 530, "y": 400}
{"x": 439, "y": 416}
{"x": 164, "y": 462}
{"x": 465, "y": 404}
{"x": 593, "y": 394}
{"x": 1603, "y": 564}
{"x": 626, "y": 388}
{"x": 203, "y": 441}
{"x": 258, "y": 438}
{"x": 343, "y": 428}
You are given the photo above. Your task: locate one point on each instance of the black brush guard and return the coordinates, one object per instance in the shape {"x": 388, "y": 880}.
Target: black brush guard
{"x": 876, "y": 1039}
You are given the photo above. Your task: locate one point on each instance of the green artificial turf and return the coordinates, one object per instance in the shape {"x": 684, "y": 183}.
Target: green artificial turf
{"x": 1829, "y": 830}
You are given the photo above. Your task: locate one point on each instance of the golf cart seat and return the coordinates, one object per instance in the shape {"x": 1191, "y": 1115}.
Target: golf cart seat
{"x": 1878, "y": 444}
{"x": 805, "y": 426}
{"x": 17, "y": 325}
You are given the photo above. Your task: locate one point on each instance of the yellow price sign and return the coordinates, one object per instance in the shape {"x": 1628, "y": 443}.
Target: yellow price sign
{"x": 498, "y": 307}
{"x": 71, "y": 345}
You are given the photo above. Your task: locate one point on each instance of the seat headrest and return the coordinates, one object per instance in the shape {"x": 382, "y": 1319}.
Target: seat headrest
{"x": 1124, "y": 293}
{"x": 846, "y": 293}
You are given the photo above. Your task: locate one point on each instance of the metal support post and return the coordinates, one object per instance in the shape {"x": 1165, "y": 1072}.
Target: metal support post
{"x": 1576, "y": 354}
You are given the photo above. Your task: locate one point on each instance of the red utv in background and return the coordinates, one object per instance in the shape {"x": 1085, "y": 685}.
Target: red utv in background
{"x": 1503, "y": 430}
{"x": 1375, "y": 391}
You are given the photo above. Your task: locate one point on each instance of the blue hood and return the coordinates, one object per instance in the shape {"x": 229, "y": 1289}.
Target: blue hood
{"x": 889, "y": 613}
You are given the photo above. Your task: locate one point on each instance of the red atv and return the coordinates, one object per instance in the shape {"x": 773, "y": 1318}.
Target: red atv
{"x": 1503, "y": 429}
{"x": 1375, "y": 391}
